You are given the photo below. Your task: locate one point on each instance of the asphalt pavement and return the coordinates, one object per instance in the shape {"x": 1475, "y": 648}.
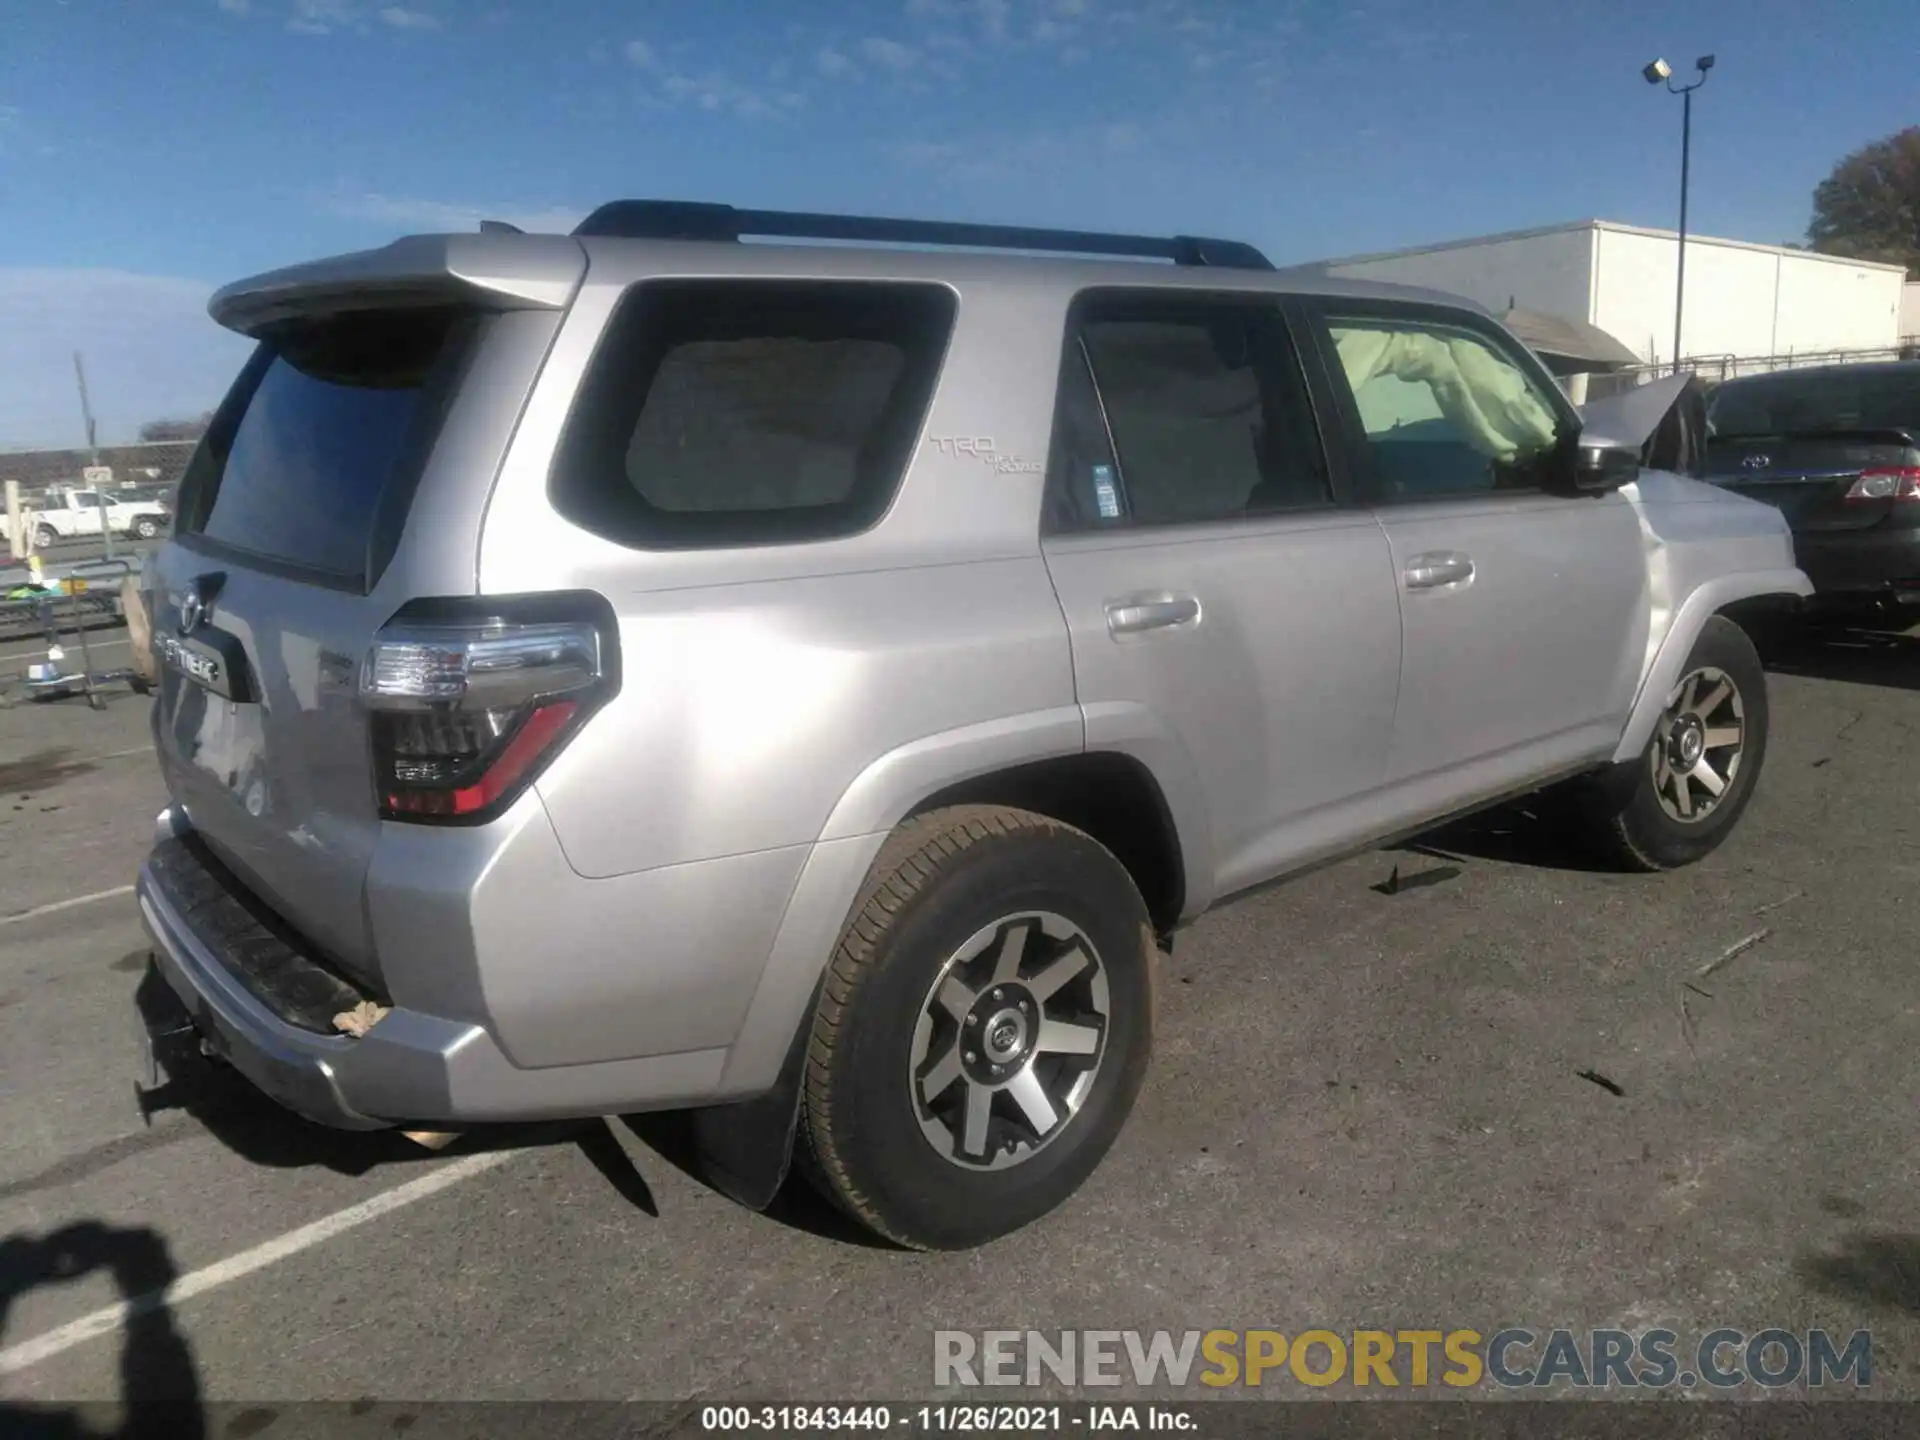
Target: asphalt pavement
{"x": 1500, "y": 1091}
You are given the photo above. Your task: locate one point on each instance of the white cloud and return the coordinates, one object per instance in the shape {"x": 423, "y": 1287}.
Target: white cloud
{"x": 638, "y": 52}
{"x": 834, "y": 65}
{"x": 717, "y": 94}
{"x": 993, "y": 15}
{"x": 889, "y": 54}
{"x": 401, "y": 18}
{"x": 321, "y": 17}
{"x": 236, "y": 7}
{"x": 151, "y": 350}
{"x": 419, "y": 215}
{"x": 932, "y": 9}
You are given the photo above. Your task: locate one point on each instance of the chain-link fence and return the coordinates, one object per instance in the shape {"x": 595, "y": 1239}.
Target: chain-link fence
{"x": 1712, "y": 369}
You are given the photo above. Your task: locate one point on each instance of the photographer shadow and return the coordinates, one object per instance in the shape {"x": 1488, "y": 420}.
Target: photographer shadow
{"x": 159, "y": 1383}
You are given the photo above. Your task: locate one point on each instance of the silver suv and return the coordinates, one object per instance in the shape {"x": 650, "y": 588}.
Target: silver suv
{"x": 804, "y": 684}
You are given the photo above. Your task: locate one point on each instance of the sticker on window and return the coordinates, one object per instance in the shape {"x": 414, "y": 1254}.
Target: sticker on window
{"x": 1104, "y": 493}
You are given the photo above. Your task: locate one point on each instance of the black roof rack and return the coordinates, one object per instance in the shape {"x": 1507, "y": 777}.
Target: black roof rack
{"x": 696, "y": 220}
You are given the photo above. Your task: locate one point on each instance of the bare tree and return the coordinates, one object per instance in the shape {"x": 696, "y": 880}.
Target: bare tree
{"x": 1869, "y": 207}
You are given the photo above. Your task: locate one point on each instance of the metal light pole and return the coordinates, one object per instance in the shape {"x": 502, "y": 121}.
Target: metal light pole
{"x": 1654, "y": 74}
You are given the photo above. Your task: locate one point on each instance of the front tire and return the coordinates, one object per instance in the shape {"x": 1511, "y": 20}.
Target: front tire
{"x": 1679, "y": 801}
{"x": 983, "y": 1030}
{"x": 146, "y": 529}
{"x": 44, "y": 537}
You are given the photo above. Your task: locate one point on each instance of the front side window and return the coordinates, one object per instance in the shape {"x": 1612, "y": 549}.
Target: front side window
{"x": 1443, "y": 411}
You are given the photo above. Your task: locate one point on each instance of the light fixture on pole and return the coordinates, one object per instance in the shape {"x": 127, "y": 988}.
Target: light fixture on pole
{"x": 1655, "y": 73}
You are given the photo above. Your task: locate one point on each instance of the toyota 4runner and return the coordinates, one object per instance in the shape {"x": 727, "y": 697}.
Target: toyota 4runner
{"x": 804, "y": 684}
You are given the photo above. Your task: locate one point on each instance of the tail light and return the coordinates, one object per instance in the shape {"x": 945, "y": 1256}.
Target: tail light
{"x": 1901, "y": 483}
{"x": 466, "y": 710}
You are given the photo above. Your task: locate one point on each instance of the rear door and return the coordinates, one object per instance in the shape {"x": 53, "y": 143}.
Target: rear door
{"x": 289, "y": 513}
{"x": 1524, "y": 613}
{"x": 1209, "y": 572}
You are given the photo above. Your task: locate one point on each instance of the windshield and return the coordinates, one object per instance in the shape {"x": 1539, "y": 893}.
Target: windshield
{"x": 1811, "y": 404}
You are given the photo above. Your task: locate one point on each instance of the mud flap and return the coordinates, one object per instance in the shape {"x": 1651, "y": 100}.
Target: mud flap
{"x": 745, "y": 1149}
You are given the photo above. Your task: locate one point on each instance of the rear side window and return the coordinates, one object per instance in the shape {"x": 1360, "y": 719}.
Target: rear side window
{"x": 744, "y": 412}
{"x": 313, "y": 459}
{"x": 1181, "y": 411}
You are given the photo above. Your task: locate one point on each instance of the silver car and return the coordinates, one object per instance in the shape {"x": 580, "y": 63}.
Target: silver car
{"x": 805, "y": 685}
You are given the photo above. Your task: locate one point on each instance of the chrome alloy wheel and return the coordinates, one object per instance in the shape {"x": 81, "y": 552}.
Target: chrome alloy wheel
{"x": 1697, "y": 744}
{"x": 1009, "y": 1040}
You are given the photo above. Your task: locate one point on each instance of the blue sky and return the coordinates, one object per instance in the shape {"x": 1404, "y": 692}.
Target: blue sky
{"x": 150, "y": 149}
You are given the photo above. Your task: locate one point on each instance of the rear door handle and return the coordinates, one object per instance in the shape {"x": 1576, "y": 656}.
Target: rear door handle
{"x": 1437, "y": 568}
{"x": 1129, "y": 617}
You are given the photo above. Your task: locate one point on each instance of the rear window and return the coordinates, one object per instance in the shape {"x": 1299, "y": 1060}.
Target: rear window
{"x": 751, "y": 412}
{"x": 1801, "y": 404}
{"x": 313, "y": 460}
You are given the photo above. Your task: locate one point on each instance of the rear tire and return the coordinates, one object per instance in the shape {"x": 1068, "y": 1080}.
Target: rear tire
{"x": 146, "y": 529}
{"x": 983, "y": 1030}
{"x": 1663, "y": 811}
{"x": 45, "y": 536}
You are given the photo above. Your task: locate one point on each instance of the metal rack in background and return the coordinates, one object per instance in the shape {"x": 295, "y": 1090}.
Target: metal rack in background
{"x": 85, "y": 608}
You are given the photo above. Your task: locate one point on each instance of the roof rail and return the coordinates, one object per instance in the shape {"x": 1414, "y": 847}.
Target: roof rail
{"x": 499, "y": 227}
{"x": 696, "y": 220}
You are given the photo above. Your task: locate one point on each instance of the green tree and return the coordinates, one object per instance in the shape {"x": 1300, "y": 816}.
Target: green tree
{"x": 1869, "y": 207}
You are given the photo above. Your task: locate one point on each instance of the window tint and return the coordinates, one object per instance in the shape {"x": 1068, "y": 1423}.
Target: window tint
{"x": 743, "y": 412}
{"x": 88, "y": 498}
{"x": 334, "y": 419}
{"x": 1208, "y": 412}
{"x": 1443, "y": 410}
{"x": 1792, "y": 404}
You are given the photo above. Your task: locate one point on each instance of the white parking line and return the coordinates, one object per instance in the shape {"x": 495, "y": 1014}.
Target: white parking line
{"x": 29, "y": 1353}
{"x": 68, "y": 904}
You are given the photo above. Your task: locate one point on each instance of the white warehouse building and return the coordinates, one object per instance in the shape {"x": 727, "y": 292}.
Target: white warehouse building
{"x": 1742, "y": 300}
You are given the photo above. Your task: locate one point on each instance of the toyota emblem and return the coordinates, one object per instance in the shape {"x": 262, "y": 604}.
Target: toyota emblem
{"x": 1757, "y": 462}
{"x": 192, "y": 611}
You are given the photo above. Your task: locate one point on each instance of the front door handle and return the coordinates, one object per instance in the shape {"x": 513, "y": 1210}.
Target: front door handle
{"x": 1128, "y": 617}
{"x": 1437, "y": 568}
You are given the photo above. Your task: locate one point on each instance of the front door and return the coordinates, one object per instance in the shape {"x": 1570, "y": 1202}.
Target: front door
{"x": 1219, "y": 594}
{"x": 1524, "y": 613}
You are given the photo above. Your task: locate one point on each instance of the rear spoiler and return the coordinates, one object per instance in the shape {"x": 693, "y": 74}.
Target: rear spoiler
{"x": 497, "y": 271}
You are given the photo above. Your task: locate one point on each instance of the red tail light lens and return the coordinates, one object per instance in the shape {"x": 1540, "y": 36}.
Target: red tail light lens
{"x": 1901, "y": 483}
{"x": 466, "y": 713}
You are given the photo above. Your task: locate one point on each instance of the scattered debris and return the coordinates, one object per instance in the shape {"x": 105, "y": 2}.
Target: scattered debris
{"x": 1395, "y": 882}
{"x": 1602, "y": 1081}
{"x": 1733, "y": 952}
{"x": 1823, "y": 760}
{"x": 359, "y": 1020}
{"x": 1787, "y": 899}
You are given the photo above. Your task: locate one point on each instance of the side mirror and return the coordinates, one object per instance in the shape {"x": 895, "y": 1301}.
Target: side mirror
{"x": 1599, "y": 469}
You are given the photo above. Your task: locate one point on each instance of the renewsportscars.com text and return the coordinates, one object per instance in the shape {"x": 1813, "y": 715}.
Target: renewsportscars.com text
{"x": 1513, "y": 1358}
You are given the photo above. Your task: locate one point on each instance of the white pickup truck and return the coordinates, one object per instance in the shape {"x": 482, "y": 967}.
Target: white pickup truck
{"x": 80, "y": 515}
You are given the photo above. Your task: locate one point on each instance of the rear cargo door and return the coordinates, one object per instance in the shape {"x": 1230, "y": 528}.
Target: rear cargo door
{"x": 287, "y": 516}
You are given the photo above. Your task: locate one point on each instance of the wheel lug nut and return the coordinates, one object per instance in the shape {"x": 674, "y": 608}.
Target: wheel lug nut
{"x": 973, "y": 1020}
{"x": 1023, "y": 1007}
{"x": 997, "y": 992}
{"x": 996, "y": 1069}
{"x": 971, "y": 1057}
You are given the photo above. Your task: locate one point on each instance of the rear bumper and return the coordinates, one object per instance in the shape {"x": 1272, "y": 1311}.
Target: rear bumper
{"x": 1859, "y": 561}
{"x": 258, "y": 1001}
